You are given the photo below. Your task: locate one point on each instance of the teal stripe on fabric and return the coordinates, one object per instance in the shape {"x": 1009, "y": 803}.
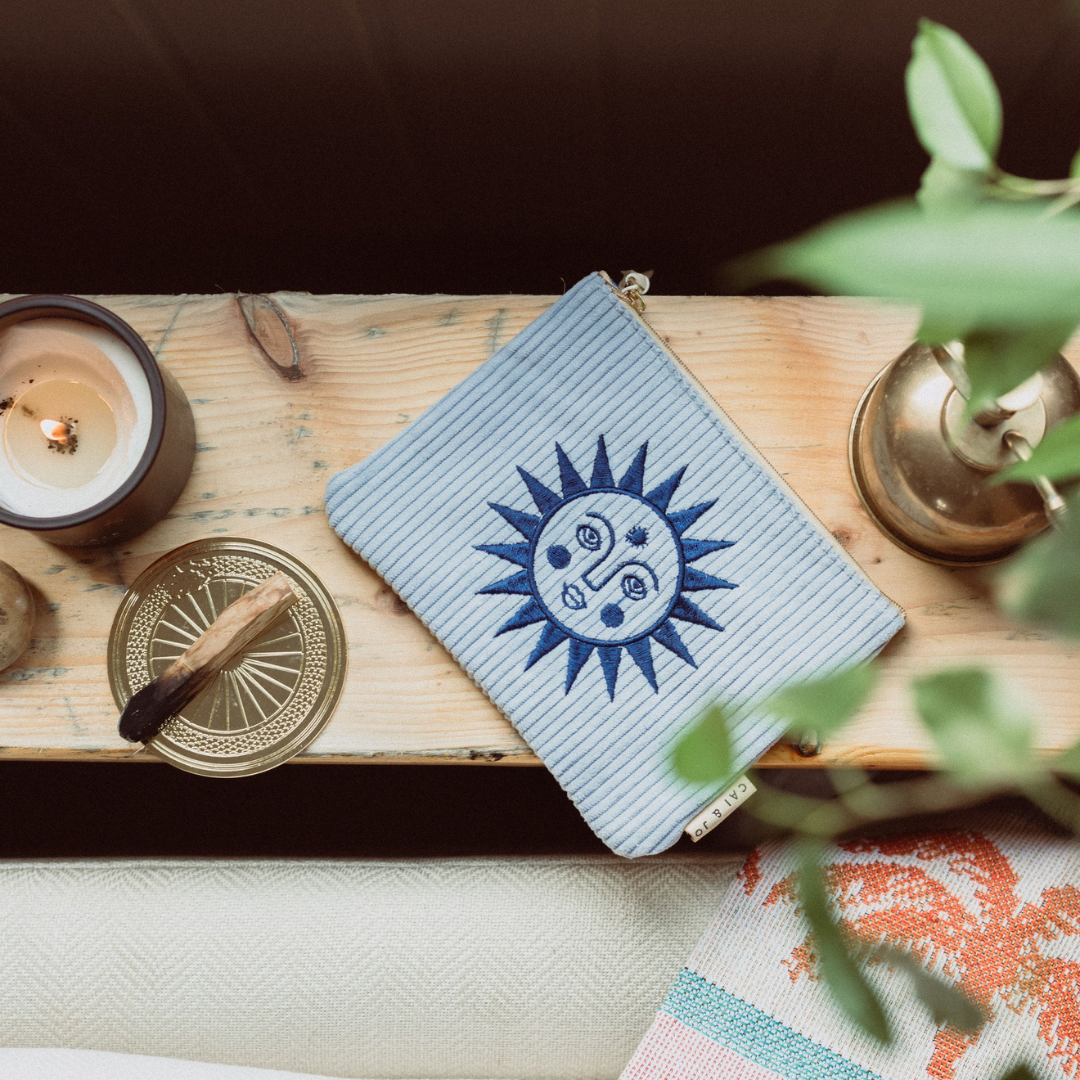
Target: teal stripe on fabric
{"x": 755, "y": 1035}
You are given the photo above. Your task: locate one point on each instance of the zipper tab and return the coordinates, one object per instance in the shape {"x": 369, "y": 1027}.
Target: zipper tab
{"x": 632, "y": 288}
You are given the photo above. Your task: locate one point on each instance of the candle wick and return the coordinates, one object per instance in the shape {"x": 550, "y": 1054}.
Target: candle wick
{"x": 60, "y": 434}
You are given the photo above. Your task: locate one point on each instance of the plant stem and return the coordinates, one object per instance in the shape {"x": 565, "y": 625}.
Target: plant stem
{"x": 1033, "y": 189}
{"x": 862, "y": 803}
{"x": 1062, "y": 203}
{"x": 1056, "y": 801}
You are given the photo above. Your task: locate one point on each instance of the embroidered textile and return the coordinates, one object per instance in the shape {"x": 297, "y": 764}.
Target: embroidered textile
{"x": 604, "y": 555}
{"x": 998, "y": 914}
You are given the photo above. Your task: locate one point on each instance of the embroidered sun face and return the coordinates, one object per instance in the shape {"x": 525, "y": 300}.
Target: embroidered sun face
{"x": 606, "y": 567}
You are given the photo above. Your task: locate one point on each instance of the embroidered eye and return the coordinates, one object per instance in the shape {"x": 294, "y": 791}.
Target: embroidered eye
{"x": 633, "y": 587}
{"x": 588, "y": 538}
{"x": 558, "y": 556}
{"x": 611, "y": 615}
{"x": 637, "y": 536}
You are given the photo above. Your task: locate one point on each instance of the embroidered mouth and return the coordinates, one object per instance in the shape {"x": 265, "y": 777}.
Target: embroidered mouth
{"x": 573, "y": 597}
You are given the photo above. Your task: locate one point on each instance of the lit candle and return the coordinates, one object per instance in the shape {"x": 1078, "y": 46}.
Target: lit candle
{"x": 84, "y": 414}
{"x": 90, "y": 389}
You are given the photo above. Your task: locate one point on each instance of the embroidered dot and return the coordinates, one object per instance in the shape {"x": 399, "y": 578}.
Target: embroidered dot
{"x": 637, "y": 536}
{"x": 558, "y": 556}
{"x": 611, "y": 615}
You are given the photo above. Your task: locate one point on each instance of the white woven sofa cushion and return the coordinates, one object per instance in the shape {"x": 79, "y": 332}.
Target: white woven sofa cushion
{"x": 39, "y": 1064}
{"x": 481, "y": 968}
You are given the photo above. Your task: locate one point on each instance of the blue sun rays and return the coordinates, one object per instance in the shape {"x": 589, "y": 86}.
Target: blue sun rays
{"x": 661, "y": 590}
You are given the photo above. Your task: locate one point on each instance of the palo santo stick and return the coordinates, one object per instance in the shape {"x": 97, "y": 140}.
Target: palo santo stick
{"x": 231, "y": 632}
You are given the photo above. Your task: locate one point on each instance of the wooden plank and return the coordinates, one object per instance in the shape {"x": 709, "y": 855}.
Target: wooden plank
{"x": 789, "y": 371}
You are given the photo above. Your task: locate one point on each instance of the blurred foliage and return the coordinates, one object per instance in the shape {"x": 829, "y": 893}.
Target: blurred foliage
{"x": 944, "y": 1003}
{"x": 1041, "y": 585}
{"x": 995, "y": 265}
{"x": 824, "y": 705}
{"x": 1057, "y": 457}
{"x": 981, "y": 738}
{"x": 954, "y": 104}
{"x": 985, "y": 746}
{"x": 835, "y": 963}
{"x": 704, "y": 752}
{"x": 993, "y": 260}
{"x": 992, "y": 263}
{"x": 1002, "y": 278}
{"x": 1019, "y": 1072}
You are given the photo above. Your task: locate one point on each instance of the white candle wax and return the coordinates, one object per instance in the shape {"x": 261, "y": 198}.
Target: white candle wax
{"x": 59, "y": 433}
{"x": 90, "y": 391}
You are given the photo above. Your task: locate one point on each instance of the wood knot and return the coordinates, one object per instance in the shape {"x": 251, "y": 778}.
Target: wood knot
{"x": 268, "y": 326}
{"x": 843, "y": 537}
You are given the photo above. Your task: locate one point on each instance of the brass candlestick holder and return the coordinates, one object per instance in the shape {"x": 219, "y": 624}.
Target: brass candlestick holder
{"x": 921, "y": 466}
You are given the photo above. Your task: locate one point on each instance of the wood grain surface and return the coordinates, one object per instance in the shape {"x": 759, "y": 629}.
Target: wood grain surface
{"x": 274, "y": 425}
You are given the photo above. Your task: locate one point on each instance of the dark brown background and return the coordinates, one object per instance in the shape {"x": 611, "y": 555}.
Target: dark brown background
{"x": 471, "y": 145}
{"x": 462, "y": 146}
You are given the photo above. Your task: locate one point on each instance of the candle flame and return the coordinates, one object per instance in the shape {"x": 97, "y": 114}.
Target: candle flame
{"x": 55, "y": 431}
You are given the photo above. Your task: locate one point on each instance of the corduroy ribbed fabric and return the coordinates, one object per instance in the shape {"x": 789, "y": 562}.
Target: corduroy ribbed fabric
{"x": 604, "y": 555}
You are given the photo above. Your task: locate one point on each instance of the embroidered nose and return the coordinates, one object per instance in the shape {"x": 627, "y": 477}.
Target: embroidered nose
{"x": 634, "y": 587}
{"x": 595, "y": 586}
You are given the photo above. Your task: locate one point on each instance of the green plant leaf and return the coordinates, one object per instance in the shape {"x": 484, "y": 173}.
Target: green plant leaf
{"x": 1074, "y": 167}
{"x": 825, "y": 705}
{"x": 1018, "y": 1072}
{"x": 1057, "y": 457}
{"x": 1042, "y": 584}
{"x": 1068, "y": 762}
{"x": 983, "y": 741}
{"x": 998, "y": 361}
{"x": 837, "y": 966}
{"x": 704, "y": 752}
{"x": 945, "y": 1002}
{"x": 946, "y": 188}
{"x": 996, "y": 267}
{"x": 954, "y": 104}
{"x": 940, "y": 329}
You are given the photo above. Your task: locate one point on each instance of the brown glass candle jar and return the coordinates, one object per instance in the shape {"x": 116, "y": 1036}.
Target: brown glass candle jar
{"x": 96, "y": 440}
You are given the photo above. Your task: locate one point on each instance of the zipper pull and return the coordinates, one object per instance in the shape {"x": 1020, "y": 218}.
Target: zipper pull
{"x": 632, "y": 288}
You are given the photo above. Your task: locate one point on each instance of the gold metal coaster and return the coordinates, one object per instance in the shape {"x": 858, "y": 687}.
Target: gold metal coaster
{"x": 268, "y": 703}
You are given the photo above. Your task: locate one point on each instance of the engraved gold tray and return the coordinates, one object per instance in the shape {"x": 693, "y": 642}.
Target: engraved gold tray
{"x": 269, "y": 702}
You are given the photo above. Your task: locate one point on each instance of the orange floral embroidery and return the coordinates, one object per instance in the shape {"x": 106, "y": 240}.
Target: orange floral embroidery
{"x": 991, "y": 947}
{"x": 802, "y": 961}
{"x": 750, "y": 874}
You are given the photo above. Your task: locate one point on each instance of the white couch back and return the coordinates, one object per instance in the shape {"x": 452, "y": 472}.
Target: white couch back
{"x": 495, "y": 967}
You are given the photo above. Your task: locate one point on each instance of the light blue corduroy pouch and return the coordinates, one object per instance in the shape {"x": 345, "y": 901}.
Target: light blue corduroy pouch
{"x": 603, "y": 554}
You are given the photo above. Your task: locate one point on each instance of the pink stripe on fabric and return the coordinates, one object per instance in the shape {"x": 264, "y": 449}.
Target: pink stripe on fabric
{"x": 672, "y": 1051}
